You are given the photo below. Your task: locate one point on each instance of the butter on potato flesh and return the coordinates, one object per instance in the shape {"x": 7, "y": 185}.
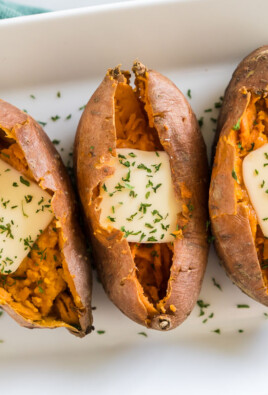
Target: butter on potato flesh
{"x": 139, "y": 198}
{"x": 25, "y": 212}
{"x": 255, "y": 175}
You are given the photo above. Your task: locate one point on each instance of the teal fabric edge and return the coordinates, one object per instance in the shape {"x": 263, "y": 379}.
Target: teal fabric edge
{"x": 11, "y": 10}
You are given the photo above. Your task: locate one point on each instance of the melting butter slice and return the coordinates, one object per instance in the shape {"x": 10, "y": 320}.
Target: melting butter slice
{"x": 255, "y": 174}
{"x": 25, "y": 211}
{"x": 139, "y": 198}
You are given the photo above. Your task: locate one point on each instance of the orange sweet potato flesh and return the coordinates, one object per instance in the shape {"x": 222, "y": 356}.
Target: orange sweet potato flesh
{"x": 52, "y": 286}
{"x": 242, "y": 127}
{"x": 156, "y": 285}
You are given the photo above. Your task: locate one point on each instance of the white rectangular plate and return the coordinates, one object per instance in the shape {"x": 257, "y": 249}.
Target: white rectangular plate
{"x": 197, "y": 44}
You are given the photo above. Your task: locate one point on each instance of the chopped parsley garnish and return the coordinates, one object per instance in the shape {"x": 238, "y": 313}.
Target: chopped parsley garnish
{"x": 216, "y": 284}
{"x": 237, "y": 125}
{"x": 189, "y": 93}
{"x": 42, "y": 123}
{"x": 251, "y": 148}
{"x": 242, "y": 306}
{"x": 126, "y": 163}
{"x": 55, "y": 118}
{"x": 25, "y": 182}
{"x": 143, "y": 334}
{"x": 156, "y": 187}
{"x": 234, "y": 175}
{"x": 143, "y": 167}
{"x": 143, "y": 207}
{"x": 127, "y": 178}
{"x": 201, "y": 122}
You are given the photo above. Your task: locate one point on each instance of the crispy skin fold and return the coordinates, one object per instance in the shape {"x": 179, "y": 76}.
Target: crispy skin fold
{"x": 48, "y": 170}
{"x": 234, "y": 240}
{"x": 180, "y": 137}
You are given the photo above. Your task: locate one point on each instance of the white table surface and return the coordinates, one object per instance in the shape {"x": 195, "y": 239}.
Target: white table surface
{"x": 65, "y": 4}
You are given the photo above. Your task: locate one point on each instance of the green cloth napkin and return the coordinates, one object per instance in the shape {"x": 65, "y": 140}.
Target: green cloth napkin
{"x": 11, "y": 10}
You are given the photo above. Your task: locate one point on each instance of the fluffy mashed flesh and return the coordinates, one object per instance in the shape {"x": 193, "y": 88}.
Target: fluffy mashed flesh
{"x": 249, "y": 134}
{"x": 135, "y": 130}
{"x": 41, "y": 290}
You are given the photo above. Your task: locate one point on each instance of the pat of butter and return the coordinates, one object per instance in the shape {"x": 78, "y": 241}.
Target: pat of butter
{"x": 25, "y": 211}
{"x": 255, "y": 174}
{"x": 139, "y": 198}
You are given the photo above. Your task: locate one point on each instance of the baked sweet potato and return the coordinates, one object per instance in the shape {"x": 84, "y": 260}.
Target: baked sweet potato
{"x": 52, "y": 285}
{"x": 155, "y": 284}
{"x": 242, "y": 130}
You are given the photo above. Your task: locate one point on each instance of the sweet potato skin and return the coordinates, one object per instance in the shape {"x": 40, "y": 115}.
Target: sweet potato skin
{"x": 181, "y": 138}
{"x": 230, "y": 223}
{"x": 48, "y": 170}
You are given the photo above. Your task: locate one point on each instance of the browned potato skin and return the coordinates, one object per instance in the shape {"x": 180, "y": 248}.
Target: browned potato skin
{"x": 47, "y": 167}
{"x": 230, "y": 223}
{"x": 181, "y": 138}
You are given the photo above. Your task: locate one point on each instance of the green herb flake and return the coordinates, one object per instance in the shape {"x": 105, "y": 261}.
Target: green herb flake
{"x": 251, "y": 148}
{"x": 25, "y": 182}
{"x": 201, "y": 122}
{"x": 100, "y": 332}
{"x": 42, "y": 123}
{"x": 202, "y": 304}
{"x": 32, "y": 97}
{"x": 28, "y": 198}
{"x": 55, "y": 118}
{"x": 240, "y": 331}
{"x": 56, "y": 142}
{"x": 234, "y": 175}
{"x": 143, "y": 334}
{"x": 218, "y": 331}
{"x": 216, "y": 284}
{"x": 189, "y": 93}
{"x": 58, "y": 94}
{"x": 256, "y": 172}
{"x": 242, "y": 306}
{"x": 240, "y": 146}
{"x": 68, "y": 117}
{"x": 237, "y": 125}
